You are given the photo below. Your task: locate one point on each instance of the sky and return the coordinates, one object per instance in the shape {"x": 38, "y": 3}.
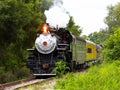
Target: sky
{"x": 89, "y": 14}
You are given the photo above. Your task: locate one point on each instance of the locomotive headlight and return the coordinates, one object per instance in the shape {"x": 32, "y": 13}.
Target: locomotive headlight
{"x": 45, "y": 29}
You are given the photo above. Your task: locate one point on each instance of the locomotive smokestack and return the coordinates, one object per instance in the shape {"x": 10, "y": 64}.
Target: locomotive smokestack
{"x": 57, "y": 15}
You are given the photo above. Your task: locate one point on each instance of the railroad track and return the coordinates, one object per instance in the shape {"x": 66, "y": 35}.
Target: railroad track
{"x": 23, "y": 83}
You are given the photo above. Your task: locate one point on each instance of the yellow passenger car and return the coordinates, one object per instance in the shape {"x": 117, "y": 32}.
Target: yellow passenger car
{"x": 91, "y": 53}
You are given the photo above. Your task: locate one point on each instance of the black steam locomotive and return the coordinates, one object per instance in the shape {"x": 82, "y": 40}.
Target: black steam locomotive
{"x": 51, "y": 45}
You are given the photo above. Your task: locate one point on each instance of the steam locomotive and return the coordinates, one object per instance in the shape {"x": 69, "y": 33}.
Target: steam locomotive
{"x": 54, "y": 44}
{"x": 51, "y": 45}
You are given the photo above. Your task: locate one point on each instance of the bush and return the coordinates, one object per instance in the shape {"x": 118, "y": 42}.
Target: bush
{"x": 9, "y": 76}
{"x": 6, "y": 76}
{"x": 61, "y": 68}
{"x": 22, "y": 72}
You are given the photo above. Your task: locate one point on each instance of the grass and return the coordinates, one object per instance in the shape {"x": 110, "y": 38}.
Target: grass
{"x": 102, "y": 77}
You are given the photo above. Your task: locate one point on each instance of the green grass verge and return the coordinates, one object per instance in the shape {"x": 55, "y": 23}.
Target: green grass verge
{"x": 102, "y": 77}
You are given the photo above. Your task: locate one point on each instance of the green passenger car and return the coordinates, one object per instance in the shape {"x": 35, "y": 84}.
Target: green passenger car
{"x": 79, "y": 50}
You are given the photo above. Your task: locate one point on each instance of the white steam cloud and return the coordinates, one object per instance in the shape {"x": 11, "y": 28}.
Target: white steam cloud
{"x": 57, "y": 15}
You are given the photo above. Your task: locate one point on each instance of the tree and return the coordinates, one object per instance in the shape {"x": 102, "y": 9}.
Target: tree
{"x": 84, "y": 37}
{"x": 97, "y": 37}
{"x": 113, "y": 18}
{"x": 112, "y": 46}
{"x": 19, "y": 22}
{"x": 72, "y": 27}
{"x": 45, "y": 5}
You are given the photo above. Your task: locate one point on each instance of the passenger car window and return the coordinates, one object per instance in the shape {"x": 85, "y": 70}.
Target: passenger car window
{"x": 89, "y": 50}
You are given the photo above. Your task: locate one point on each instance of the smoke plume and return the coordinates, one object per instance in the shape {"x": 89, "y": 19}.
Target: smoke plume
{"x": 57, "y": 15}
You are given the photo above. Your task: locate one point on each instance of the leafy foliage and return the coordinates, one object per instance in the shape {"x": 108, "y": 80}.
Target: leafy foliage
{"x": 45, "y": 4}
{"x": 61, "y": 67}
{"x": 75, "y": 29}
{"x": 97, "y": 37}
{"x": 112, "y": 46}
{"x": 113, "y": 18}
